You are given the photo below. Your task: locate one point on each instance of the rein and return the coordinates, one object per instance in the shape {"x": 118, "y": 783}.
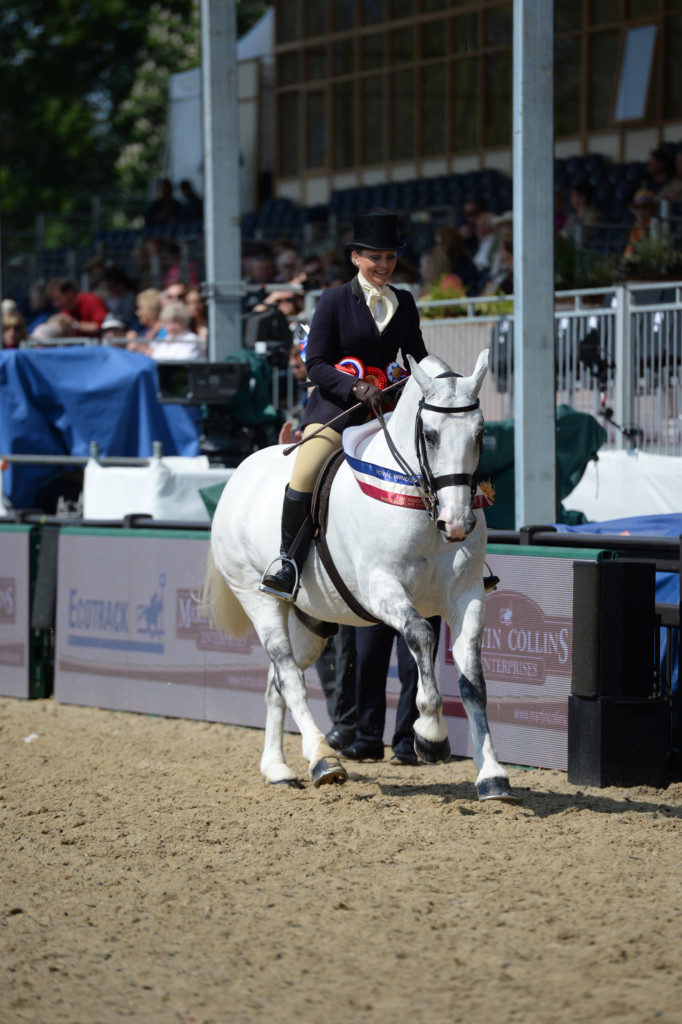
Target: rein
{"x": 426, "y": 484}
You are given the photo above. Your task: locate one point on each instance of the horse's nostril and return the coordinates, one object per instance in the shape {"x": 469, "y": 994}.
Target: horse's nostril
{"x": 440, "y": 526}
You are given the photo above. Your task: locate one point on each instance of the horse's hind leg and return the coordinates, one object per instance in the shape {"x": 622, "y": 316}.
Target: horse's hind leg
{"x": 269, "y": 617}
{"x": 272, "y": 764}
{"x": 492, "y": 782}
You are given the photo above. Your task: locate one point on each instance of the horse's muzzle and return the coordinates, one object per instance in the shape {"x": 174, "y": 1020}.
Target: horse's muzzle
{"x": 456, "y": 531}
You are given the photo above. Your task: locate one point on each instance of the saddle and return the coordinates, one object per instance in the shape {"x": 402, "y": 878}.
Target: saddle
{"x": 316, "y": 524}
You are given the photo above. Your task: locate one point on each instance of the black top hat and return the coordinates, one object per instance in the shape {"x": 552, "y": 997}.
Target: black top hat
{"x": 375, "y": 231}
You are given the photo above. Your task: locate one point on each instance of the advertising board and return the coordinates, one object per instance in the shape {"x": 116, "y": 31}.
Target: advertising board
{"x": 14, "y": 610}
{"x": 527, "y": 656}
{"x": 130, "y": 634}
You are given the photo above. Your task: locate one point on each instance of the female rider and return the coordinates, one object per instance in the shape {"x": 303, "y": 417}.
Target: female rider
{"x": 366, "y": 323}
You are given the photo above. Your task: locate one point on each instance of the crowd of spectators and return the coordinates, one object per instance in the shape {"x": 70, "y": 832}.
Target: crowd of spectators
{"x": 473, "y": 257}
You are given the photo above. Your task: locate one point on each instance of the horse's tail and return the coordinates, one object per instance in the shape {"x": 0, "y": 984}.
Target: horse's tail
{"x": 220, "y": 606}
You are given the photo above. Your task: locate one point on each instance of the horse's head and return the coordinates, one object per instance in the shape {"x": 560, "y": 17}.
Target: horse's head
{"x": 448, "y": 437}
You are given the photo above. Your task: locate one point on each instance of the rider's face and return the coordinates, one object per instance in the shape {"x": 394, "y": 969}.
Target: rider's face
{"x": 375, "y": 265}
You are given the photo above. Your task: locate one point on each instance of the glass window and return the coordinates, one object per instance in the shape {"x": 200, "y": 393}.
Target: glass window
{"x": 465, "y": 33}
{"x": 567, "y": 15}
{"x": 287, "y": 22}
{"x": 498, "y": 99}
{"x": 372, "y": 113}
{"x": 643, "y": 8}
{"x": 673, "y": 67}
{"x": 464, "y": 104}
{"x": 603, "y": 69}
{"x": 315, "y": 130}
{"x": 315, "y": 17}
{"x": 402, "y": 44}
{"x": 287, "y": 68}
{"x": 434, "y": 39}
{"x": 403, "y": 8}
{"x": 433, "y": 104}
{"x": 567, "y": 78}
{"x": 372, "y": 51}
{"x": 343, "y": 59}
{"x": 428, "y": 6}
{"x": 315, "y": 63}
{"x": 402, "y": 115}
{"x": 499, "y": 26}
{"x": 372, "y": 12}
{"x": 605, "y": 11}
{"x": 288, "y": 134}
{"x": 344, "y": 125}
{"x": 343, "y": 14}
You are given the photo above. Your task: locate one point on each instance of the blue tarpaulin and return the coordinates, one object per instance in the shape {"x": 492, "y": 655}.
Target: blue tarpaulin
{"x": 667, "y": 583}
{"x": 56, "y": 401}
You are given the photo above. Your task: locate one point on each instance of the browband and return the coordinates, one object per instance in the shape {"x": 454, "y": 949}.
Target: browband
{"x": 449, "y": 408}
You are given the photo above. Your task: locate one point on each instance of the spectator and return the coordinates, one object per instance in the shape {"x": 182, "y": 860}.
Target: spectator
{"x": 501, "y": 282}
{"x": 644, "y": 206}
{"x": 13, "y": 327}
{"x": 467, "y": 229}
{"x": 85, "y": 311}
{"x": 175, "y": 292}
{"x": 191, "y": 204}
{"x": 180, "y": 342}
{"x": 173, "y": 267}
{"x": 336, "y": 670}
{"x": 313, "y": 272}
{"x": 287, "y": 266}
{"x": 452, "y": 254}
{"x": 194, "y": 301}
{"x": 118, "y": 294}
{"x": 56, "y": 326}
{"x": 148, "y": 312}
{"x": 584, "y": 214}
{"x": 165, "y": 210}
{"x": 114, "y": 330}
{"x": 487, "y": 243}
{"x": 660, "y": 171}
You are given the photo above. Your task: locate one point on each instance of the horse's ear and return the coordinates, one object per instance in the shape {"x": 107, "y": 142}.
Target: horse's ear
{"x": 480, "y": 371}
{"x": 425, "y": 382}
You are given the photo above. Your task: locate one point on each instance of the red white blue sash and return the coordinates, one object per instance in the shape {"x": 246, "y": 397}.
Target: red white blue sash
{"x": 383, "y": 484}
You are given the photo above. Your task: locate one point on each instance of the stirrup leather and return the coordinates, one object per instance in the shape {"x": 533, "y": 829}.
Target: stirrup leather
{"x": 281, "y": 593}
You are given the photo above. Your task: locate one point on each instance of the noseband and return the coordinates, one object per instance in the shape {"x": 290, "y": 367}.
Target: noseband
{"x": 428, "y": 485}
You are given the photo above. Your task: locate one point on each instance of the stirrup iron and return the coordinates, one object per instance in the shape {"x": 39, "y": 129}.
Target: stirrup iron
{"x": 281, "y": 593}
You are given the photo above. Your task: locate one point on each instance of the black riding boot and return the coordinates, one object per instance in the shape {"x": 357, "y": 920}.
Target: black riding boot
{"x": 295, "y": 512}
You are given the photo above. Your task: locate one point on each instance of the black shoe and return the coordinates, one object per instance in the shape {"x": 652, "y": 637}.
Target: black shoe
{"x": 405, "y": 757}
{"x": 364, "y": 750}
{"x": 490, "y": 583}
{"x": 283, "y": 581}
{"x": 338, "y": 738}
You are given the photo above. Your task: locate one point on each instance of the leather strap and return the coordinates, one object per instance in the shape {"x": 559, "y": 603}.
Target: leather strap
{"x": 320, "y": 513}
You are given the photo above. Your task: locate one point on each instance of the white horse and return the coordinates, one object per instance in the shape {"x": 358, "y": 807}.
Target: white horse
{"x": 393, "y": 559}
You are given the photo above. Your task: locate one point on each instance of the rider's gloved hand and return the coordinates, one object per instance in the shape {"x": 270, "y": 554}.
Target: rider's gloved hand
{"x": 366, "y": 392}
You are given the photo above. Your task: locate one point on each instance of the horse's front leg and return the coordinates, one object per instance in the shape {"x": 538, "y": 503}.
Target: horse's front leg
{"x": 466, "y": 626}
{"x": 431, "y": 743}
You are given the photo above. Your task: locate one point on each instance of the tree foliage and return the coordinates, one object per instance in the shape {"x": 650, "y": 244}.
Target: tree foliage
{"x": 84, "y": 86}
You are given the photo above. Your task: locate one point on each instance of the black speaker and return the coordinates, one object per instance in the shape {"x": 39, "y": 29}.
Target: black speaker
{"x": 617, "y": 742}
{"x": 613, "y": 629}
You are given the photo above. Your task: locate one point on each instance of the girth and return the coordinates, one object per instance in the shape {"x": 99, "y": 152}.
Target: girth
{"x": 320, "y": 512}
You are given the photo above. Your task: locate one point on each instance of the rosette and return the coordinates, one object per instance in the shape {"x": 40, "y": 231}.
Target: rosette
{"x": 349, "y": 364}
{"x": 395, "y": 372}
{"x": 376, "y": 376}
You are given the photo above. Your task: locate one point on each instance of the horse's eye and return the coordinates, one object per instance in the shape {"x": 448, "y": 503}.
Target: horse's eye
{"x": 431, "y": 437}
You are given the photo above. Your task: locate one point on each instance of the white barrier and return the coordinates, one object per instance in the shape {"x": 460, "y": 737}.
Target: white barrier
{"x": 168, "y": 488}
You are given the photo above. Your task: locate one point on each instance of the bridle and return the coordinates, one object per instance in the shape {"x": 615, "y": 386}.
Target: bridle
{"x": 426, "y": 484}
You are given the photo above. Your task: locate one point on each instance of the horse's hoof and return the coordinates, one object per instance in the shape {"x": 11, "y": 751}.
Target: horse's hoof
{"x": 496, "y": 788}
{"x": 291, "y": 783}
{"x": 431, "y": 752}
{"x": 327, "y": 771}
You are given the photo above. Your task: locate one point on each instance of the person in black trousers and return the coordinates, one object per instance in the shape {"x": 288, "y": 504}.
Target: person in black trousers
{"x": 373, "y": 652}
{"x": 336, "y": 671}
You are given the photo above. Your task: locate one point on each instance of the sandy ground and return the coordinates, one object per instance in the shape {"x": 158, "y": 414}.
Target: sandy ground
{"x": 148, "y": 873}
